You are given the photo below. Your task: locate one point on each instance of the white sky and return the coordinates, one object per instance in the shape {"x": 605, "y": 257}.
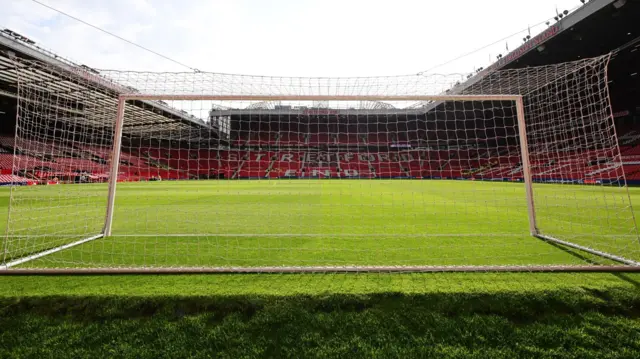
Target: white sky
{"x": 282, "y": 37}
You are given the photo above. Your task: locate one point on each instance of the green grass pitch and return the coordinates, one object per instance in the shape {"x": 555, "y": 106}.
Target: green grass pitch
{"x": 364, "y": 315}
{"x": 318, "y": 223}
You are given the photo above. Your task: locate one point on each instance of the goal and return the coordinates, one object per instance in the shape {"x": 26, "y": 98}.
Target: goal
{"x": 512, "y": 170}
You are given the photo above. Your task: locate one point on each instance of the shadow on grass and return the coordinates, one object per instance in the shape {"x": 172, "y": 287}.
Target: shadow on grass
{"x": 559, "y": 324}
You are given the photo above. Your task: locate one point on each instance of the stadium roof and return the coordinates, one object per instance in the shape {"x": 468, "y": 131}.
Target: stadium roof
{"x": 599, "y": 27}
{"x": 71, "y": 82}
{"x": 596, "y": 28}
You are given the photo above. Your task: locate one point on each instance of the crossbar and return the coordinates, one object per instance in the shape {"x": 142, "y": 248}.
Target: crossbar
{"x": 187, "y": 97}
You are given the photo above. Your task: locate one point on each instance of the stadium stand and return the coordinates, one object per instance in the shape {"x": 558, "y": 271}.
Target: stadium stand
{"x": 291, "y": 147}
{"x": 44, "y": 161}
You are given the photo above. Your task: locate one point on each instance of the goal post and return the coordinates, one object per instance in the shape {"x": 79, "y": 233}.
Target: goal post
{"x": 513, "y": 170}
{"x": 122, "y": 99}
{"x": 526, "y": 165}
{"x": 115, "y": 163}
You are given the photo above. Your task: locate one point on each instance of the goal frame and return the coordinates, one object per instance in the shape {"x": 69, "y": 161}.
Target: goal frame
{"x": 122, "y": 99}
{"x": 625, "y": 265}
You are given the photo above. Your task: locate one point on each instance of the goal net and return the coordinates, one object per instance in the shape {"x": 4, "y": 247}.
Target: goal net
{"x": 217, "y": 172}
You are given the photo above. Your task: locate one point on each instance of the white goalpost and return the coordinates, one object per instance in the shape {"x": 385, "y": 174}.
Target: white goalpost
{"x": 515, "y": 170}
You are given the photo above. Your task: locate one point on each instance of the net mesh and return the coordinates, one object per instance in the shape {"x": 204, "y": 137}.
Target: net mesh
{"x": 231, "y": 171}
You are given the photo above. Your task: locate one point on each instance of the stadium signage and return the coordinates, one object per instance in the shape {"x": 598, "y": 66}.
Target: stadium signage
{"x": 320, "y": 112}
{"x": 528, "y": 46}
{"x": 322, "y": 173}
{"x": 314, "y": 157}
{"x": 401, "y": 145}
{"x": 621, "y": 114}
{"x": 334, "y": 157}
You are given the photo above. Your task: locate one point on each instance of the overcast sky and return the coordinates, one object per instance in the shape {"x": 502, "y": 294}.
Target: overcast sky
{"x": 284, "y": 37}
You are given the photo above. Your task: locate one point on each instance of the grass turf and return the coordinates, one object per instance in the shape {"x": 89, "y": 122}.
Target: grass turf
{"x": 330, "y": 315}
{"x": 311, "y": 222}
